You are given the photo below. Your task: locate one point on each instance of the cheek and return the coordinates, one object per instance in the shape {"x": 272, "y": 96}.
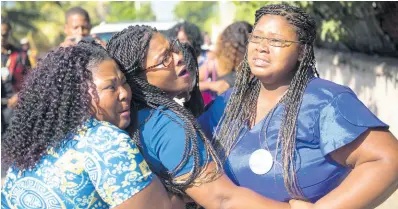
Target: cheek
{"x": 161, "y": 78}
{"x": 107, "y": 103}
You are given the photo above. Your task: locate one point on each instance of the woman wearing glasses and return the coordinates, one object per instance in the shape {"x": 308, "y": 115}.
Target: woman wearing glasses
{"x": 287, "y": 134}
{"x": 169, "y": 137}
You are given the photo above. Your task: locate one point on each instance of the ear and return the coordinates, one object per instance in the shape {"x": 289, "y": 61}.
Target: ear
{"x": 301, "y": 52}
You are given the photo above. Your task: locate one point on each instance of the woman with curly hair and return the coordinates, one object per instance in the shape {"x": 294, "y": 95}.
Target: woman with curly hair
{"x": 64, "y": 146}
{"x": 168, "y": 135}
{"x": 219, "y": 74}
{"x": 285, "y": 128}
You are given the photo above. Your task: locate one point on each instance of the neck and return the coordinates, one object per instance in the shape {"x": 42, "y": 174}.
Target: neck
{"x": 273, "y": 92}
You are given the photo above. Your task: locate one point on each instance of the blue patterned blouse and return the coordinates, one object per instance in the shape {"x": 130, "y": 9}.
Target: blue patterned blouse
{"x": 100, "y": 167}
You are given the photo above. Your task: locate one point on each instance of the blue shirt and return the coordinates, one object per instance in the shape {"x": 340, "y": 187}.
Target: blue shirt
{"x": 100, "y": 167}
{"x": 330, "y": 117}
{"x": 162, "y": 135}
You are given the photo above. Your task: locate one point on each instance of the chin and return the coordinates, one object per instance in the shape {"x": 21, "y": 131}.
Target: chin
{"x": 123, "y": 124}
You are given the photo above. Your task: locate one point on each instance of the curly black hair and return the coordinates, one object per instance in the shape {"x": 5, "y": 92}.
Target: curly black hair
{"x": 231, "y": 45}
{"x": 241, "y": 107}
{"x": 193, "y": 34}
{"x": 54, "y": 101}
{"x": 129, "y": 48}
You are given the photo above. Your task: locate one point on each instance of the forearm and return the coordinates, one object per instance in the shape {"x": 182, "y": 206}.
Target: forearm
{"x": 204, "y": 85}
{"x": 368, "y": 185}
{"x": 176, "y": 202}
{"x": 246, "y": 198}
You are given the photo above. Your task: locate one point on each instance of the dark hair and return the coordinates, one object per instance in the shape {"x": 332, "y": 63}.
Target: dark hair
{"x": 54, "y": 101}
{"x": 77, "y": 11}
{"x": 129, "y": 48}
{"x": 231, "y": 45}
{"x": 193, "y": 34}
{"x": 241, "y": 107}
{"x": 6, "y": 21}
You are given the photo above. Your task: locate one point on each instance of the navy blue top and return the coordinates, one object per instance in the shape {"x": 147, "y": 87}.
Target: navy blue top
{"x": 330, "y": 117}
{"x": 163, "y": 136}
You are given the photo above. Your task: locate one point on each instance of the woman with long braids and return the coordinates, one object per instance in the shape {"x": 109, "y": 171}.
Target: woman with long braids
{"x": 64, "y": 144}
{"x": 168, "y": 134}
{"x": 287, "y": 134}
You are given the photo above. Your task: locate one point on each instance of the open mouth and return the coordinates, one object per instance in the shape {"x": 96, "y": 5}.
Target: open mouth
{"x": 183, "y": 72}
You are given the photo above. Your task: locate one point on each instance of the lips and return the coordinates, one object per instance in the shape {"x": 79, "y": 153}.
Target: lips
{"x": 125, "y": 109}
{"x": 183, "y": 72}
{"x": 260, "y": 62}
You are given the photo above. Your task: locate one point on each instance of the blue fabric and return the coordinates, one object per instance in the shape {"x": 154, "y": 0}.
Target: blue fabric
{"x": 330, "y": 117}
{"x": 163, "y": 136}
{"x": 100, "y": 167}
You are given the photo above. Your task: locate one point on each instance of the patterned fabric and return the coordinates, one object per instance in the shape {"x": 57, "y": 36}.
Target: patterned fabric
{"x": 100, "y": 167}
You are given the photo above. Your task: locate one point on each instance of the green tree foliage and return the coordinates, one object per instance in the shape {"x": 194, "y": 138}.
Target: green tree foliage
{"x": 349, "y": 26}
{"x": 129, "y": 10}
{"x": 45, "y": 20}
{"x": 200, "y": 13}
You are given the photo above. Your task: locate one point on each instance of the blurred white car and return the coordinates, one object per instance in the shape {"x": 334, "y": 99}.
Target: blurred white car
{"x": 104, "y": 31}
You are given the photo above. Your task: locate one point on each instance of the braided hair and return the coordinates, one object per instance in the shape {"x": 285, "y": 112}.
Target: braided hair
{"x": 54, "y": 101}
{"x": 193, "y": 34}
{"x": 195, "y": 104}
{"x": 231, "y": 45}
{"x": 241, "y": 107}
{"x": 129, "y": 48}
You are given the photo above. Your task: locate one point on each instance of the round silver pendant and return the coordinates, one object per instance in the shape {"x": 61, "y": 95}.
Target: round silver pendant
{"x": 261, "y": 161}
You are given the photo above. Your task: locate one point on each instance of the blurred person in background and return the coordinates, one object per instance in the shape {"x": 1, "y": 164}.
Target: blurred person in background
{"x": 77, "y": 27}
{"x": 65, "y": 145}
{"x": 187, "y": 32}
{"x": 15, "y": 65}
{"x": 219, "y": 74}
{"x": 26, "y": 47}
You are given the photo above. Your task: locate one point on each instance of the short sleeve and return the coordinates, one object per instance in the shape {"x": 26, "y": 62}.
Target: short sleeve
{"x": 168, "y": 143}
{"x": 208, "y": 121}
{"x": 114, "y": 164}
{"x": 343, "y": 120}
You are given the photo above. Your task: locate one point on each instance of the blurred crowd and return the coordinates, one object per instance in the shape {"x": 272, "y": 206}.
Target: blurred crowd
{"x": 217, "y": 61}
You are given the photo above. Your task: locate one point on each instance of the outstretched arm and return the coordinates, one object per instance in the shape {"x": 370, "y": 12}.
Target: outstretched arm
{"x": 373, "y": 157}
{"x": 223, "y": 193}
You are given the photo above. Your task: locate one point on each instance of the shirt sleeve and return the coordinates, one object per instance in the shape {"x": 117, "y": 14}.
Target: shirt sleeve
{"x": 169, "y": 141}
{"x": 208, "y": 121}
{"x": 343, "y": 120}
{"x": 114, "y": 165}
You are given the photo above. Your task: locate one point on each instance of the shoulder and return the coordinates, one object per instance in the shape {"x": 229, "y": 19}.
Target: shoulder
{"x": 96, "y": 127}
{"x": 159, "y": 117}
{"x": 320, "y": 92}
{"x": 325, "y": 88}
{"x": 95, "y": 132}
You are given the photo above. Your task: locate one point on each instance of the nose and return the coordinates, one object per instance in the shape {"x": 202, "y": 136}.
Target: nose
{"x": 263, "y": 46}
{"x": 79, "y": 31}
{"x": 125, "y": 93}
{"x": 178, "y": 59}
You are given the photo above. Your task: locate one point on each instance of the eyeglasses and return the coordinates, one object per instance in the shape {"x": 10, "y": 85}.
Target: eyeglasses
{"x": 168, "y": 58}
{"x": 271, "y": 41}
